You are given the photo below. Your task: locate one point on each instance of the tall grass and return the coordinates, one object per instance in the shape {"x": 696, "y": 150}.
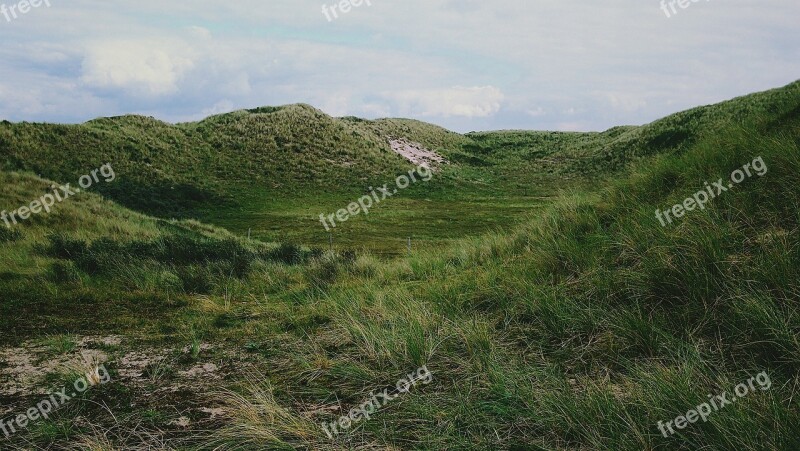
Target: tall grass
{"x": 590, "y": 324}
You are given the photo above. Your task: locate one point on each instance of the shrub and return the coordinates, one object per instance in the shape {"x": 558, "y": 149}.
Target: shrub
{"x": 101, "y": 256}
{"x": 7, "y": 235}
{"x": 288, "y": 253}
{"x": 175, "y": 250}
{"x": 195, "y": 279}
{"x": 170, "y": 282}
{"x": 64, "y": 272}
{"x": 64, "y": 247}
{"x": 324, "y": 270}
{"x": 241, "y": 263}
{"x": 366, "y": 266}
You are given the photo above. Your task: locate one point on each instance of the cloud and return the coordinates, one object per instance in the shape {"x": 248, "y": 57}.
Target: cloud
{"x": 336, "y": 104}
{"x": 476, "y": 101}
{"x": 536, "y": 113}
{"x": 466, "y": 65}
{"x": 147, "y": 68}
{"x": 627, "y": 102}
{"x": 223, "y": 106}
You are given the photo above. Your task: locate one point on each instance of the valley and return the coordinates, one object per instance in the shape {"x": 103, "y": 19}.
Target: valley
{"x": 547, "y": 303}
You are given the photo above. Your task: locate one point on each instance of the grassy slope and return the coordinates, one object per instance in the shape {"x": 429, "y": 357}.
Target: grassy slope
{"x": 269, "y": 169}
{"x": 579, "y": 330}
{"x": 43, "y": 292}
{"x": 275, "y": 169}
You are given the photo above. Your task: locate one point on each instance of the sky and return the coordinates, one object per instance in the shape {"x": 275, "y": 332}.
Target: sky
{"x": 583, "y": 65}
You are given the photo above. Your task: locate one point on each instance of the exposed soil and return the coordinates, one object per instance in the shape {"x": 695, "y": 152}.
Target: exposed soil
{"x": 417, "y": 153}
{"x": 176, "y": 384}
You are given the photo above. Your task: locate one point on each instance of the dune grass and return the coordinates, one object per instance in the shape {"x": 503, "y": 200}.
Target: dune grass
{"x": 581, "y": 328}
{"x": 586, "y": 327}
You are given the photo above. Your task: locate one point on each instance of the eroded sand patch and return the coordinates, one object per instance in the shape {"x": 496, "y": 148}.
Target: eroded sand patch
{"x": 24, "y": 369}
{"x": 416, "y": 153}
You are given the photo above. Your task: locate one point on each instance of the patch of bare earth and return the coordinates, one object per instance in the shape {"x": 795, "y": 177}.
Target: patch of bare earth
{"x": 23, "y": 369}
{"x": 416, "y": 153}
{"x": 171, "y": 381}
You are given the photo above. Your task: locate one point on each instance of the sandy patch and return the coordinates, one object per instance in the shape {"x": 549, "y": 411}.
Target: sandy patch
{"x": 23, "y": 369}
{"x": 205, "y": 370}
{"x": 111, "y": 340}
{"x": 218, "y": 412}
{"x": 417, "y": 153}
{"x": 183, "y": 422}
{"x": 133, "y": 364}
{"x": 203, "y": 347}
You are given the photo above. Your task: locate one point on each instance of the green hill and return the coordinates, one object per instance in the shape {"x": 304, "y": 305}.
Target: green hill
{"x": 272, "y": 171}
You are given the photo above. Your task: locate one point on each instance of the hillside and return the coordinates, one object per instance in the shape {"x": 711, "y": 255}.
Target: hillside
{"x": 37, "y": 283}
{"x": 581, "y": 322}
{"x": 278, "y": 150}
{"x": 272, "y": 171}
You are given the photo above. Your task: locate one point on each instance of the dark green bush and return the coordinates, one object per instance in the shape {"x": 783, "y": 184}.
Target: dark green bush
{"x": 177, "y": 250}
{"x": 291, "y": 254}
{"x": 7, "y": 235}
{"x": 195, "y": 279}
{"x": 64, "y": 247}
{"x": 288, "y": 253}
{"x": 64, "y": 272}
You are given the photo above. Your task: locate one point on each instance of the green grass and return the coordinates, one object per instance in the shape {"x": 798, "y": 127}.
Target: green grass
{"x": 433, "y": 223}
{"x": 59, "y": 344}
{"x": 580, "y": 330}
{"x": 578, "y": 323}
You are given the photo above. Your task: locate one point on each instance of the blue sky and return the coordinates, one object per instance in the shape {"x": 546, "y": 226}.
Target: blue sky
{"x": 466, "y": 64}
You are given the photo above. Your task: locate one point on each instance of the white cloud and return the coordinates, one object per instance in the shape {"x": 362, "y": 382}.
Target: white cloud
{"x": 476, "y": 101}
{"x": 200, "y": 32}
{"x": 223, "y": 106}
{"x": 336, "y": 104}
{"x": 536, "y": 113}
{"x": 570, "y": 126}
{"x": 627, "y": 102}
{"x": 376, "y": 110}
{"x": 136, "y": 67}
{"x": 613, "y": 62}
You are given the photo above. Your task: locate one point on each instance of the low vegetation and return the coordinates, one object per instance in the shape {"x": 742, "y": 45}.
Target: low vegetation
{"x": 577, "y": 325}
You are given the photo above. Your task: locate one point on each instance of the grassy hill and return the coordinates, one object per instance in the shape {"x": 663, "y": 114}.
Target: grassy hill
{"x": 272, "y": 171}
{"x": 581, "y": 327}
